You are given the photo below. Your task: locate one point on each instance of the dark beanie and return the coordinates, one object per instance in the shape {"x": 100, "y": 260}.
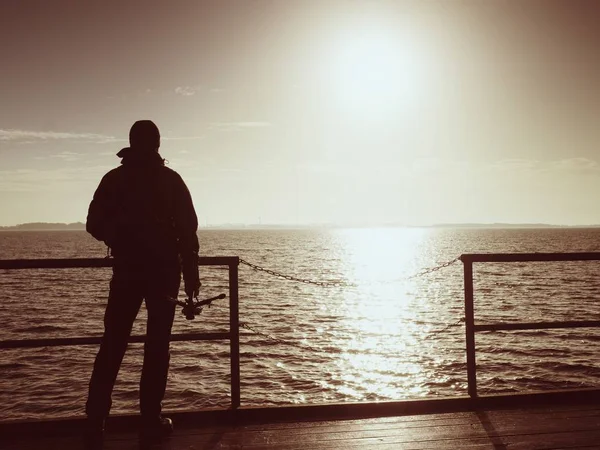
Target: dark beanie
{"x": 144, "y": 134}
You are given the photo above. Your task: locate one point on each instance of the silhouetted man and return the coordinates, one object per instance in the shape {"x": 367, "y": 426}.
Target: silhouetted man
{"x": 144, "y": 213}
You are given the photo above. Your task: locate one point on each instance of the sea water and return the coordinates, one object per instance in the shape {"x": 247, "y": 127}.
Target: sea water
{"x": 382, "y": 335}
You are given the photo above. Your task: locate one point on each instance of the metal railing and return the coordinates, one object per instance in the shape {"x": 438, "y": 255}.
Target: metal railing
{"x": 233, "y": 335}
{"x": 471, "y": 328}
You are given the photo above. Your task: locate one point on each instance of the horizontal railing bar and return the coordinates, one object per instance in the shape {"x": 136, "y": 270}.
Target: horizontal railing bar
{"x": 80, "y": 263}
{"x": 538, "y": 325}
{"x": 30, "y": 343}
{"x": 526, "y": 257}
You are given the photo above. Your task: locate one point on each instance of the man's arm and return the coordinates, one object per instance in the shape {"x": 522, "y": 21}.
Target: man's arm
{"x": 186, "y": 227}
{"x": 101, "y": 220}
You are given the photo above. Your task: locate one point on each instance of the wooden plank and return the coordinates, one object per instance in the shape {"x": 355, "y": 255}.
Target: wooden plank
{"x": 391, "y": 434}
{"x": 556, "y": 440}
{"x": 559, "y": 412}
{"x": 370, "y": 426}
{"x": 457, "y": 444}
{"x": 371, "y": 444}
{"x": 31, "y": 443}
{"x": 175, "y": 442}
{"x": 374, "y": 424}
{"x": 119, "y": 441}
{"x": 526, "y": 424}
{"x": 354, "y": 441}
{"x": 588, "y": 416}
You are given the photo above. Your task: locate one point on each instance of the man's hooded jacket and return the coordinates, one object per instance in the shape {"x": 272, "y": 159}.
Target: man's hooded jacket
{"x": 143, "y": 211}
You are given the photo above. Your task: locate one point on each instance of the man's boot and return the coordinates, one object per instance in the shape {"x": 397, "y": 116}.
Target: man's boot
{"x": 155, "y": 428}
{"x": 93, "y": 434}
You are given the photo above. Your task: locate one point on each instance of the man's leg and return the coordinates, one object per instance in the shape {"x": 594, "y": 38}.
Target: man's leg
{"x": 161, "y": 313}
{"x": 122, "y": 308}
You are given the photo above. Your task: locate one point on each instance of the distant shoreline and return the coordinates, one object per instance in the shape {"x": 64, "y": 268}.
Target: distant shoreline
{"x": 79, "y": 226}
{"x": 45, "y": 226}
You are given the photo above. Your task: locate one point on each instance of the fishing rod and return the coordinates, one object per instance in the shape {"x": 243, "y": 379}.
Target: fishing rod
{"x": 192, "y": 307}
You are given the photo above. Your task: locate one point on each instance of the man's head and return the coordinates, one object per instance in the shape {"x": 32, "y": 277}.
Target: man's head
{"x": 144, "y": 135}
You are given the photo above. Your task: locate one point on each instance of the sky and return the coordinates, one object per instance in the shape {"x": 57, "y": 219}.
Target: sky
{"x": 346, "y": 112}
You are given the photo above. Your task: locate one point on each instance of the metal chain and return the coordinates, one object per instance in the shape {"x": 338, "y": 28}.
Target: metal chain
{"x": 271, "y": 338}
{"x": 434, "y": 269}
{"x": 297, "y": 279}
{"x": 264, "y": 335}
{"x": 338, "y": 283}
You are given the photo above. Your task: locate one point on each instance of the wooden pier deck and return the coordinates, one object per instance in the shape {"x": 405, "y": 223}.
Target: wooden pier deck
{"x": 574, "y": 426}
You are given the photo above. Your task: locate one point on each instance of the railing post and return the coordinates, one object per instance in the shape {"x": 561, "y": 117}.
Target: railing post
{"x": 234, "y": 330}
{"x": 470, "y": 329}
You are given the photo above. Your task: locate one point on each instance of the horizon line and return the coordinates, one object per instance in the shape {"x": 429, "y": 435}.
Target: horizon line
{"x": 242, "y": 225}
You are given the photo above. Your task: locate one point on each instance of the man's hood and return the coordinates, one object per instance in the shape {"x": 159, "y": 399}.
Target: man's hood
{"x": 138, "y": 157}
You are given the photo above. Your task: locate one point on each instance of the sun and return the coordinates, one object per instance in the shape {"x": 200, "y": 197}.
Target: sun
{"x": 375, "y": 70}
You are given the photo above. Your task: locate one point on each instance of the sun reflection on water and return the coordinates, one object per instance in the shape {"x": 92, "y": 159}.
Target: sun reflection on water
{"x": 375, "y": 255}
{"x": 381, "y": 313}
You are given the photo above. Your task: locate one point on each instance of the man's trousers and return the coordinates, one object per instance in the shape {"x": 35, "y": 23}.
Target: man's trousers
{"x": 131, "y": 284}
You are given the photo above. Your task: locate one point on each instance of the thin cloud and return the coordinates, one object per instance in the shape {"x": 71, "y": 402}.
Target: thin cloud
{"x": 515, "y": 164}
{"x": 42, "y": 180}
{"x": 67, "y": 156}
{"x": 233, "y": 126}
{"x": 186, "y": 91}
{"x": 576, "y": 164}
{"x": 253, "y": 124}
{"x": 569, "y": 165}
{"x": 182, "y": 138}
{"x": 64, "y": 156}
{"x": 29, "y": 137}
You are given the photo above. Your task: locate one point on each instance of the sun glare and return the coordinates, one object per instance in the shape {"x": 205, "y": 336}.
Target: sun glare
{"x": 380, "y": 310}
{"x": 380, "y": 256}
{"x": 375, "y": 71}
